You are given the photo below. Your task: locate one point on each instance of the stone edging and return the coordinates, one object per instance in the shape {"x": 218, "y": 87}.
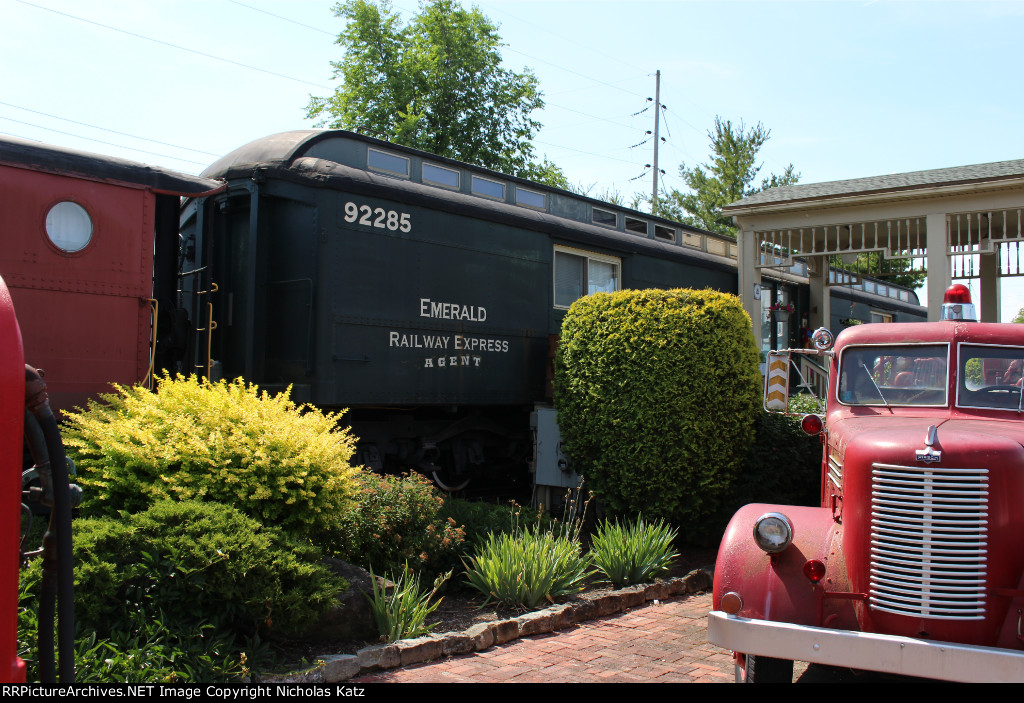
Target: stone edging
{"x": 333, "y": 668}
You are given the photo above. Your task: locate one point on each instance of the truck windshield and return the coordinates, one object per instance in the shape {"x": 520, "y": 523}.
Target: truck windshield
{"x": 905, "y": 374}
{"x": 990, "y": 377}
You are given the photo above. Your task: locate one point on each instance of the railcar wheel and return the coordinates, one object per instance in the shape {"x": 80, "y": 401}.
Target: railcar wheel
{"x": 758, "y": 669}
{"x": 444, "y": 486}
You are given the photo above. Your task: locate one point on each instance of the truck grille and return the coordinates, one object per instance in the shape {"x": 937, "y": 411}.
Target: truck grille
{"x": 929, "y": 541}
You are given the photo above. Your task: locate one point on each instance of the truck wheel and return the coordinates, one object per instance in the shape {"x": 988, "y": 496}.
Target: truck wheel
{"x": 758, "y": 669}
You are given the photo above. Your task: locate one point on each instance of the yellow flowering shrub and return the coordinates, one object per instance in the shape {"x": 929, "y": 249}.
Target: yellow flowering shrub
{"x": 283, "y": 464}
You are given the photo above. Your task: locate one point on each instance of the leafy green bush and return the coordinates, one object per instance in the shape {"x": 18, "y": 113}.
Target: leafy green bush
{"x": 657, "y": 392}
{"x": 145, "y": 652}
{"x": 782, "y": 465}
{"x": 634, "y": 553}
{"x": 179, "y": 569}
{"x": 402, "y": 612}
{"x": 394, "y": 522}
{"x": 478, "y": 519}
{"x": 805, "y": 403}
{"x": 528, "y": 568}
{"x": 283, "y": 464}
{"x": 151, "y": 653}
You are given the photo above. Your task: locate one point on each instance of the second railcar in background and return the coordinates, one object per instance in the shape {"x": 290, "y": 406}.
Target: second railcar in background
{"x": 423, "y": 293}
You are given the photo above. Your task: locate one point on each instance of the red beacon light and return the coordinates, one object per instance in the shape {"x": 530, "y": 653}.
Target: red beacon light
{"x": 957, "y": 305}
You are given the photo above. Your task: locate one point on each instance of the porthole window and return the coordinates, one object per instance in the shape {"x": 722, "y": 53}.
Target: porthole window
{"x": 69, "y": 226}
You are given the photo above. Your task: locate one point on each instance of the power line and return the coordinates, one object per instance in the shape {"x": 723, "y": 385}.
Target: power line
{"x": 286, "y": 19}
{"x": 100, "y": 141}
{"x": 564, "y": 38}
{"x": 173, "y": 46}
{"x": 112, "y": 131}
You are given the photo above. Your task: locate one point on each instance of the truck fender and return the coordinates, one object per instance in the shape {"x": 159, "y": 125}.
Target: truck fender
{"x": 774, "y": 587}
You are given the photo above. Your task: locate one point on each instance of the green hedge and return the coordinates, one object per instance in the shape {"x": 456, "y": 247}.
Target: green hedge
{"x": 182, "y": 582}
{"x": 657, "y": 392}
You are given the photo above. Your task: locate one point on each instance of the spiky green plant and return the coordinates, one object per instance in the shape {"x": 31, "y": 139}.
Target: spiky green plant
{"x": 633, "y": 553}
{"x": 402, "y": 612}
{"x": 528, "y": 568}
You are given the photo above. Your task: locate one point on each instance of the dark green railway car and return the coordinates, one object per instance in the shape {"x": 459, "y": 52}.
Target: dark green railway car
{"x": 423, "y": 293}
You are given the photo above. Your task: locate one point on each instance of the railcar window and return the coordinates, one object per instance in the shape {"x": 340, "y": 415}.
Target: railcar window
{"x": 896, "y": 374}
{"x": 69, "y": 226}
{"x": 666, "y": 233}
{"x": 717, "y": 246}
{"x": 691, "y": 240}
{"x": 580, "y": 273}
{"x": 990, "y": 377}
{"x": 488, "y": 188}
{"x": 636, "y": 226}
{"x": 440, "y": 176}
{"x": 387, "y": 163}
{"x": 531, "y": 198}
{"x": 605, "y": 218}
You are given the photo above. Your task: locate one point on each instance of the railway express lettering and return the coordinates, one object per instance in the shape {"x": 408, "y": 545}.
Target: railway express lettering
{"x": 480, "y": 344}
{"x": 418, "y": 341}
{"x": 443, "y": 361}
{"x": 452, "y": 311}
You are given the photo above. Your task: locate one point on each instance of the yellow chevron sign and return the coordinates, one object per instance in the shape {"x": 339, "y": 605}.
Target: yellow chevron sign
{"x": 776, "y": 385}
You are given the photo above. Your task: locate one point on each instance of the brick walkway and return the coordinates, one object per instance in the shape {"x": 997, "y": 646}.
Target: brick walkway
{"x": 663, "y": 643}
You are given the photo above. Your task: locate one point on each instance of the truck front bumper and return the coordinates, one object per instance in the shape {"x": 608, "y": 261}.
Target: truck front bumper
{"x": 864, "y": 650}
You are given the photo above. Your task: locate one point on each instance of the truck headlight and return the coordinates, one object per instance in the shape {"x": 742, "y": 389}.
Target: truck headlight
{"x": 773, "y": 532}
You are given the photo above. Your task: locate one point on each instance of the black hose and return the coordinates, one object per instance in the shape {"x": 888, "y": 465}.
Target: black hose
{"x": 37, "y": 403}
{"x": 48, "y": 585}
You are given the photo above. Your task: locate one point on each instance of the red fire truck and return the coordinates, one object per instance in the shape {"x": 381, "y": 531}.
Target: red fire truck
{"x": 914, "y": 561}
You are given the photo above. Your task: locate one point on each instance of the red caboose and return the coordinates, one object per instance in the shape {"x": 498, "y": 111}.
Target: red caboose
{"x": 81, "y": 234}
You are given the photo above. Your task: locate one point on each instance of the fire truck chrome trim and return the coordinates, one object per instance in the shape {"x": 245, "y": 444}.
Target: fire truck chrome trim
{"x": 929, "y": 541}
{"x": 897, "y": 345}
{"x": 835, "y": 470}
{"x": 777, "y": 535}
{"x": 865, "y": 650}
{"x": 930, "y": 455}
{"x": 961, "y": 390}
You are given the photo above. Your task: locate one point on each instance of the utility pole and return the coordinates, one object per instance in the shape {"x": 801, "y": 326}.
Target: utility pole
{"x": 657, "y": 118}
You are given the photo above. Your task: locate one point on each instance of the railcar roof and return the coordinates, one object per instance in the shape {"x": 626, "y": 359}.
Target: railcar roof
{"x": 285, "y": 148}
{"x": 70, "y": 162}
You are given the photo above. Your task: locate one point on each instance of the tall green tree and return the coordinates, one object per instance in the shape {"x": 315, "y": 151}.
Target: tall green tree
{"x": 726, "y": 178}
{"x": 436, "y": 84}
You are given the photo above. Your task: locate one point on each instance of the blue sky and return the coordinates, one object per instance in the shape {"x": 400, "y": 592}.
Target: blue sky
{"x": 848, "y": 89}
